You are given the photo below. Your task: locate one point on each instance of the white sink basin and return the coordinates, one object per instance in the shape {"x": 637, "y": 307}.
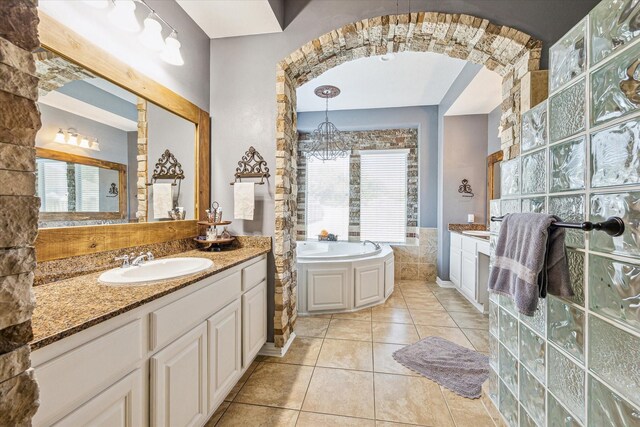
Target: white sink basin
{"x": 155, "y": 271}
{"x": 476, "y": 233}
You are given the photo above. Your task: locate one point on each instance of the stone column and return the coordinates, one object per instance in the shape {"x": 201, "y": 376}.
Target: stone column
{"x": 143, "y": 199}
{"x": 19, "y": 122}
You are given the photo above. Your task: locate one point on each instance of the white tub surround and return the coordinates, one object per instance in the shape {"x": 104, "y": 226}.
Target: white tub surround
{"x": 469, "y": 267}
{"x": 335, "y": 277}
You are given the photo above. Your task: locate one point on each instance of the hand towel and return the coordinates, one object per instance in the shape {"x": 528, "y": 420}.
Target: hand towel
{"x": 530, "y": 260}
{"x": 243, "y": 200}
{"x": 162, "y": 200}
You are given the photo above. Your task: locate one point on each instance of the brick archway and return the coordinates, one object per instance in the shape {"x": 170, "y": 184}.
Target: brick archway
{"x": 507, "y": 51}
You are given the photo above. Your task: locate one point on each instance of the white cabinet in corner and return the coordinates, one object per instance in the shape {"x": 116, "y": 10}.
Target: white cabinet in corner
{"x": 468, "y": 267}
{"x": 118, "y": 406}
{"x": 179, "y": 381}
{"x": 254, "y": 322}
{"x": 225, "y": 352}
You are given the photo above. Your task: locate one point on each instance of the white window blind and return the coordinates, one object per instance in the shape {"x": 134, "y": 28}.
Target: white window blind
{"x": 53, "y": 192}
{"x": 87, "y": 188}
{"x": 327, "y": 201}
{"x": 383, "y": 195}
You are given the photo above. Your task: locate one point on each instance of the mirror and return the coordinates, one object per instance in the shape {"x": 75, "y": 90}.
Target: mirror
{"x": 78, "y": 188}
{"x": 102, "y": 134}
{"x": 493, "y": 181}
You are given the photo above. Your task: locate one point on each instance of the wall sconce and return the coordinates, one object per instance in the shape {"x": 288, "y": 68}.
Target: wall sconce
{"x": 72, "y": 138}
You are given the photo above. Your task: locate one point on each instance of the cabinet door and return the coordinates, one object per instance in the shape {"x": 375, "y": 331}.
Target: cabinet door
{"x": 327, "y": 288}
{"x": 369, "y": 284}
{"x": 468, "y": 279}
{"x": 455, "y": 261}
{"x": 179, "y": 381}
{"x": 254, "y": 322}
{"x": 225, "y": 352}
{"x": 389, "y": 274}
{"x": 121, "y": 405}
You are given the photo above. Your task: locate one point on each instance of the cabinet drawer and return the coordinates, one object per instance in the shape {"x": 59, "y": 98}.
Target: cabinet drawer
{"x": 469, "y": 245}
{"x": 456, "y": 240}
{"x": 68, "y": 380}
{"x": 254, "y": 274}
{"x": 175, "y": 319}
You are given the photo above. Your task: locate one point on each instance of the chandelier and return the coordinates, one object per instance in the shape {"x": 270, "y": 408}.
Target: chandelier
{"x": 326, "y": 141}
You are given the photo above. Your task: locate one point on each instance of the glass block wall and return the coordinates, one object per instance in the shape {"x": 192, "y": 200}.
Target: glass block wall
{"x": 577, "y": 361}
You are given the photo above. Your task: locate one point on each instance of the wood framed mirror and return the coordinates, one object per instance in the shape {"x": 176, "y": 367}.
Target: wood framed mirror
{"x": 73, "y": 187}
{"x": 64, "y": 242}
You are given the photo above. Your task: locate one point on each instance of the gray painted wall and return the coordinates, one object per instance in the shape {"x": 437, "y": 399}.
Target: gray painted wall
{"x": 424, "y": 118}
{"x": 168, "y": 131}
{"x": 243, "y": 75}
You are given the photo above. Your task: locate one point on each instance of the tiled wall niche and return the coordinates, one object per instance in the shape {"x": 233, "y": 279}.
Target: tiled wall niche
{"x": 577, "y": 361}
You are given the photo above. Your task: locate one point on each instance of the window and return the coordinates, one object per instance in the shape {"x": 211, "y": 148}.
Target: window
{"x": 383, "y": 195}
{"x": 327, "y": 200}
{"x": 87, "y": 191}
{"x": 53, "y": 192}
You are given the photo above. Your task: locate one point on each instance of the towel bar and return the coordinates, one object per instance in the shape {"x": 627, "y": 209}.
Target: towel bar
{"x": 613, "y": 226}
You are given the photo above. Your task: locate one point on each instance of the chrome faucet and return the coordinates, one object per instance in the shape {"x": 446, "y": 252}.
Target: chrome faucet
{"x": 126, "y": 260}
{"x": 139, "y": 260}
{"x": 373, "y": 243}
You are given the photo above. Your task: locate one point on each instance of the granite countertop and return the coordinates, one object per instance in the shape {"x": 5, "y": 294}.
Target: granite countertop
{"x": 69, "y": 306}
{"x": 465, "y": 227}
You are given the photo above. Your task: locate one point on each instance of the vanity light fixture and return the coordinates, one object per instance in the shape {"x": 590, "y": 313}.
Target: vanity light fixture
{"x": 73, "y": 139}
{"x": 84, "y": 142}
{"x": 326, "y": 141}
{"x": 151, "y": 36}
{"x": 171, "y": 52}
{"x": 60, "y": 137}
{"x": 95, "y": 146}
{"x": 123, "y": 15}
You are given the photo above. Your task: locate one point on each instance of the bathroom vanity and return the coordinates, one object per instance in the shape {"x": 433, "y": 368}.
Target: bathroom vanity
{"x": 469, "y": 266}
{"x": 163, "y": 354}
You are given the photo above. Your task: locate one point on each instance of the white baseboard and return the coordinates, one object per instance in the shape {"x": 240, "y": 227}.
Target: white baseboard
{"x": 445, "y": 283}
{"x": 270, "y": 349}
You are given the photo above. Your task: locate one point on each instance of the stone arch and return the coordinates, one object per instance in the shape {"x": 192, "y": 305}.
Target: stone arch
{"x": 507, "y": 51}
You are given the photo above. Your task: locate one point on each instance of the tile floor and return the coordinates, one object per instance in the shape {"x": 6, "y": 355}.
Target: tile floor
{"x": 340, "y": 371}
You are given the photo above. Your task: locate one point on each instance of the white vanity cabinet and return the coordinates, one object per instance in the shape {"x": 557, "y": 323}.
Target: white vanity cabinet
{"x": 169, "y": 362}
{"x": 469, "y": 267}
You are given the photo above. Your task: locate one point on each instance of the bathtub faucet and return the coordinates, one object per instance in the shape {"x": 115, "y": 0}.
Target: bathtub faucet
{"x": 373, "y": 243}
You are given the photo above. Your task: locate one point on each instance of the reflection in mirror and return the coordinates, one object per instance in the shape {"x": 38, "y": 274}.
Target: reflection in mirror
{"x": 100, "y": 123}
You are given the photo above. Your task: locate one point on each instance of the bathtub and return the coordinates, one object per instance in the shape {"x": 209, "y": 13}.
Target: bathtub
{"x": 336, "y": 277}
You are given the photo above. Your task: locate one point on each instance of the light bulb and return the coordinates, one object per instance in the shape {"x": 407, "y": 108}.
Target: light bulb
{"x": 73, "y": 139}
{"x": 84, "y": 142}
{"x": 171, "y": 52}
{"x": 59, "y": 137}
{"x": 95, "y": 145}
{"x": 98, "y": 4}
{"x": 123, "y": 15}
{"x": 151, "y": 36}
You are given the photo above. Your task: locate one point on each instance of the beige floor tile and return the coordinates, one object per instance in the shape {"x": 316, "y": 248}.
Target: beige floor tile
{"x": 467, "y": 412}
{"x": 321, "y": 316}
{"x": 311, "y": 327}
{"x": 470, "y": 320}
{"x": 395, "y": 301}
{"x": 454, "y": 335}
{"x": 413, "y": 400}
{"x": 384, "y": 362}
{"x": 217, "y": 414}
{"x": 349, "y": 330}
{"x": 479, "y": 338}
{"x": 276, "y": 384}
{"x": 236, "y": 388}
{"x": 432, "y": 318}
{"x": 346, "y": 354}
{"x": 341, "y": 392}
{"x": 311, "y": 419}
{"x": 238, "y": 415}
{"x": 421, "y": 304}
{"x": 394, "y": 333}
{"x": 364, "y": 314}
{"x": 391, "y": 315}
{"x": 303, "y": 351}
{"x": 390, "y": 424}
